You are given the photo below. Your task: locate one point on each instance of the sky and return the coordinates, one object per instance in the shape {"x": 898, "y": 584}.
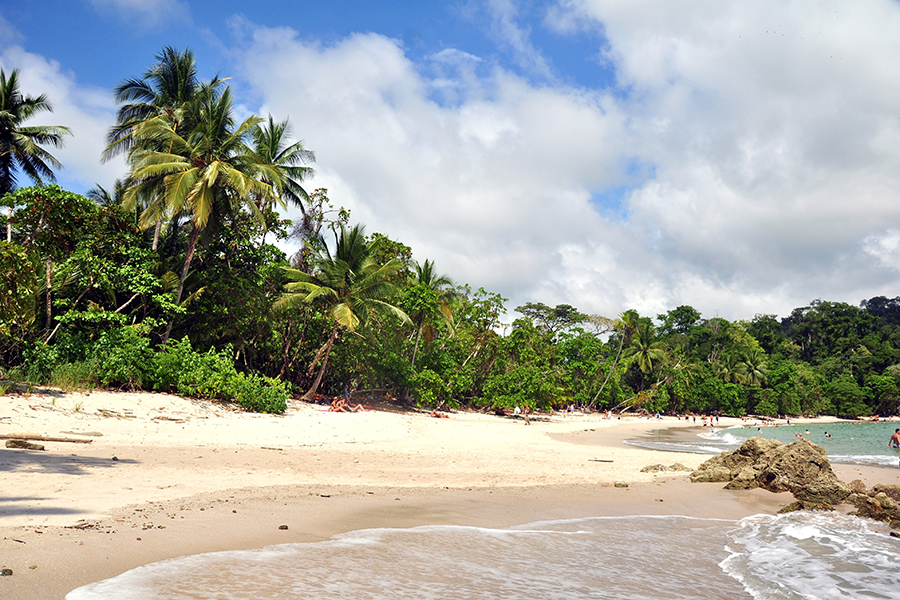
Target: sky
{"x": 739, "y": 157}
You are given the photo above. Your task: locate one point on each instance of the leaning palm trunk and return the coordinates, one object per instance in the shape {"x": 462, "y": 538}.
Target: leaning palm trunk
{"x": 611, "y": 369}
{"x": 416, "y": 347}
{"x": 311, "y": 392}
{"x": 192, "y": 245}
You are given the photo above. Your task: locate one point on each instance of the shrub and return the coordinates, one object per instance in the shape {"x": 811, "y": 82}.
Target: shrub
{"x": 75, "y": 376}
{"x": 123, "y": 357}
{"x": 258, "y": 394}
{"x": 212, "y": 374}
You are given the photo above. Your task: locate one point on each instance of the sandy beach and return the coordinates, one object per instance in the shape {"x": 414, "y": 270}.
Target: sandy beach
{"x": 165, "y": 476}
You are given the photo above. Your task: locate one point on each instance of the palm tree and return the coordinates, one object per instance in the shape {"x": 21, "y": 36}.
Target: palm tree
{"x": 20, "y": 146}
{"x": 348, "y": 285}
{"x": 431, "y": 295}
{"x": 753, "y": 366}
{"x": 644, "y": 350}
{"x": 729, "y": 369}
{"x": 625, "y": 325}
{"x": 164, "y": 90}
{"x": 204, "y": 173}
{"x": 271, "y": 148}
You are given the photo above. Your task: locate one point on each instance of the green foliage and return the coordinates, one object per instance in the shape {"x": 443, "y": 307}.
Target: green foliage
{"x": 429, "y": 388}
{"x": 74, "y": 377}
{"x": 123, "y": 358}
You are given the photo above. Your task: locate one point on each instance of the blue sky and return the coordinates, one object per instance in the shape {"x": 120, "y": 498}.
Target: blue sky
{"x": 743, "y": 158}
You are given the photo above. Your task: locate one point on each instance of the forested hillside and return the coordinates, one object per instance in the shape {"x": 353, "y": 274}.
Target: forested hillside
{"x": 174, "y": 280}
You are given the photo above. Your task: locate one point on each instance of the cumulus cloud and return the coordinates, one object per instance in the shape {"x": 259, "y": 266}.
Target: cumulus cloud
{"x": 87, "y": 112}
{"x": 766, "y": 135}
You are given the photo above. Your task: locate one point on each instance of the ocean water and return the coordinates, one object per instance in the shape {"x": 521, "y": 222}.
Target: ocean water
{"x": 861, "y": 443}
{"x": 800, "y": 555}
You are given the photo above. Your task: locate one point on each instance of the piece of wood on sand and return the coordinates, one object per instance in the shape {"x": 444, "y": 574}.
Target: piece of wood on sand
{"x": 40, "y": 438}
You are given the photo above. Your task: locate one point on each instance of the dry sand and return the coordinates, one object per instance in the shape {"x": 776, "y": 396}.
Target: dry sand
{"x": 165, "y": 476}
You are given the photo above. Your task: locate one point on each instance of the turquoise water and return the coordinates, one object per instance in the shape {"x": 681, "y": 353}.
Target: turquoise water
{"x": 851, "y": 442}
{"x": 801, "y": 555}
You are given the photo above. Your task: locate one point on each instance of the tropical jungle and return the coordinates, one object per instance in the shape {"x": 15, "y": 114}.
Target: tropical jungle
{"x": 176, "y": 279}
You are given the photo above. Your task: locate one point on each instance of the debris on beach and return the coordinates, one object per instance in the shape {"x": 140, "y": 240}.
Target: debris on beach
{"x": 659, "y": 468}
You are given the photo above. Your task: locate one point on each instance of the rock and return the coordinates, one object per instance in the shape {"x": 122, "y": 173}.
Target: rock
{"x": 654, "y": 469}
{"x": 717, "y": 474}
{"x": 283, "y": 527}
{"x": 878, "y": 505}
{"x": 745, "y": 479}
{"x": 621, "y": 484}
{"x": 801, "y": 468}
{"x": 663, "y": 468}
{"x": 23, "y": 445}
{"x": 893, "y": 491}
{"x": 857, "y": 486}
{"x": 5, "y": 572}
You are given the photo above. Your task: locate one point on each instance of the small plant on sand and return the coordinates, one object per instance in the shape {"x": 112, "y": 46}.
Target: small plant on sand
{"x": 78, "y": 406}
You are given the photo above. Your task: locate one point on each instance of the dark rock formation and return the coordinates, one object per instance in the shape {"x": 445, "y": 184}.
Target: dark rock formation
{"x": 801, "y": 468}
{"x": 881, "y": 503}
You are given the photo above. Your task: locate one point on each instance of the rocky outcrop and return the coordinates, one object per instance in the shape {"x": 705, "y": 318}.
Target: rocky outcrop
{"x": 881, "y": 503}
{"x": 659, "y": 468}
{"x": 801, "y": 468}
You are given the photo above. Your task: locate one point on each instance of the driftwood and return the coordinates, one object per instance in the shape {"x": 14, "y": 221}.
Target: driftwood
{"x": 41, "y": 438}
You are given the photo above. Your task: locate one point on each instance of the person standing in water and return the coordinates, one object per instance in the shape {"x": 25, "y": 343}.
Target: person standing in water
{"x": 895, "y": 440}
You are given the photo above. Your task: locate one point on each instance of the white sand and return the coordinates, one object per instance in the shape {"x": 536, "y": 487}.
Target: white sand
{"x": 194, "y": 476}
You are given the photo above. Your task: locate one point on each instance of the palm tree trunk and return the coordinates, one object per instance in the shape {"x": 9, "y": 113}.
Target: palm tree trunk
{"x": 311, "y": 392}
{"x": 156, "y": 234}
{"x": 416, "y": 347}
{"x": 192, "y": 245}
{"x": 9, "y": 225}
{"x": 611, "y": 369}
{"x": 49, "y": 299}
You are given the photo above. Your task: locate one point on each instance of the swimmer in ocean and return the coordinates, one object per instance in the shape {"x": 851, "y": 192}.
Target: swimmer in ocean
{"x": 895, "y": 440}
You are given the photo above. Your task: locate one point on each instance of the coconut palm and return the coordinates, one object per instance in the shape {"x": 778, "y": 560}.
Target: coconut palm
{"x": 730, "y": 369}
{"x": 625, "y": 326}
{"x": 429, "y": 296}
{"x": 753, "y": 366}
{"x": 204, "y": 173}
{"x": 348, "y": 285}
{"x": 164, "y": 90}
{"x": 271, "y": 147}
{"x": 20, "y": 145}
{"x": 644, "y": 351}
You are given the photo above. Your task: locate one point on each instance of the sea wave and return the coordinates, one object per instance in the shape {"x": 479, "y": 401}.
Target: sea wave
{"x": 807, "y": 555}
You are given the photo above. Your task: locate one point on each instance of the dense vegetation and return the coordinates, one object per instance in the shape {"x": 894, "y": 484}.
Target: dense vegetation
{"x": 174, "y": 280}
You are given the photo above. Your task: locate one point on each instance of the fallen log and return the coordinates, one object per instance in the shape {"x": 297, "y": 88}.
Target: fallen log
{"x": 40, "y": 438}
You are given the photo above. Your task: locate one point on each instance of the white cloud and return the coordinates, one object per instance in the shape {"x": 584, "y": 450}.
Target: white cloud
{"x": 768, "y": 136}
{"x": 87, "y": 112}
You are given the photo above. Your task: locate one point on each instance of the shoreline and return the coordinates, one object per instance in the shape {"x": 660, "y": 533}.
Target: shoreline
{"x": 192, "y": 476}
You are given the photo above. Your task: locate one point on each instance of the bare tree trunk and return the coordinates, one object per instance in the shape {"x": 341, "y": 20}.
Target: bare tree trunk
{"x": 192, "y": 245}
{"x": 9, "y": 224}
{"x": 311, "y": 392}
{"x": 611, "y": 369}
{"x": 49, "y": 299}
{"x": 156, "y": 234}
{"x": 416, "y": 347}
